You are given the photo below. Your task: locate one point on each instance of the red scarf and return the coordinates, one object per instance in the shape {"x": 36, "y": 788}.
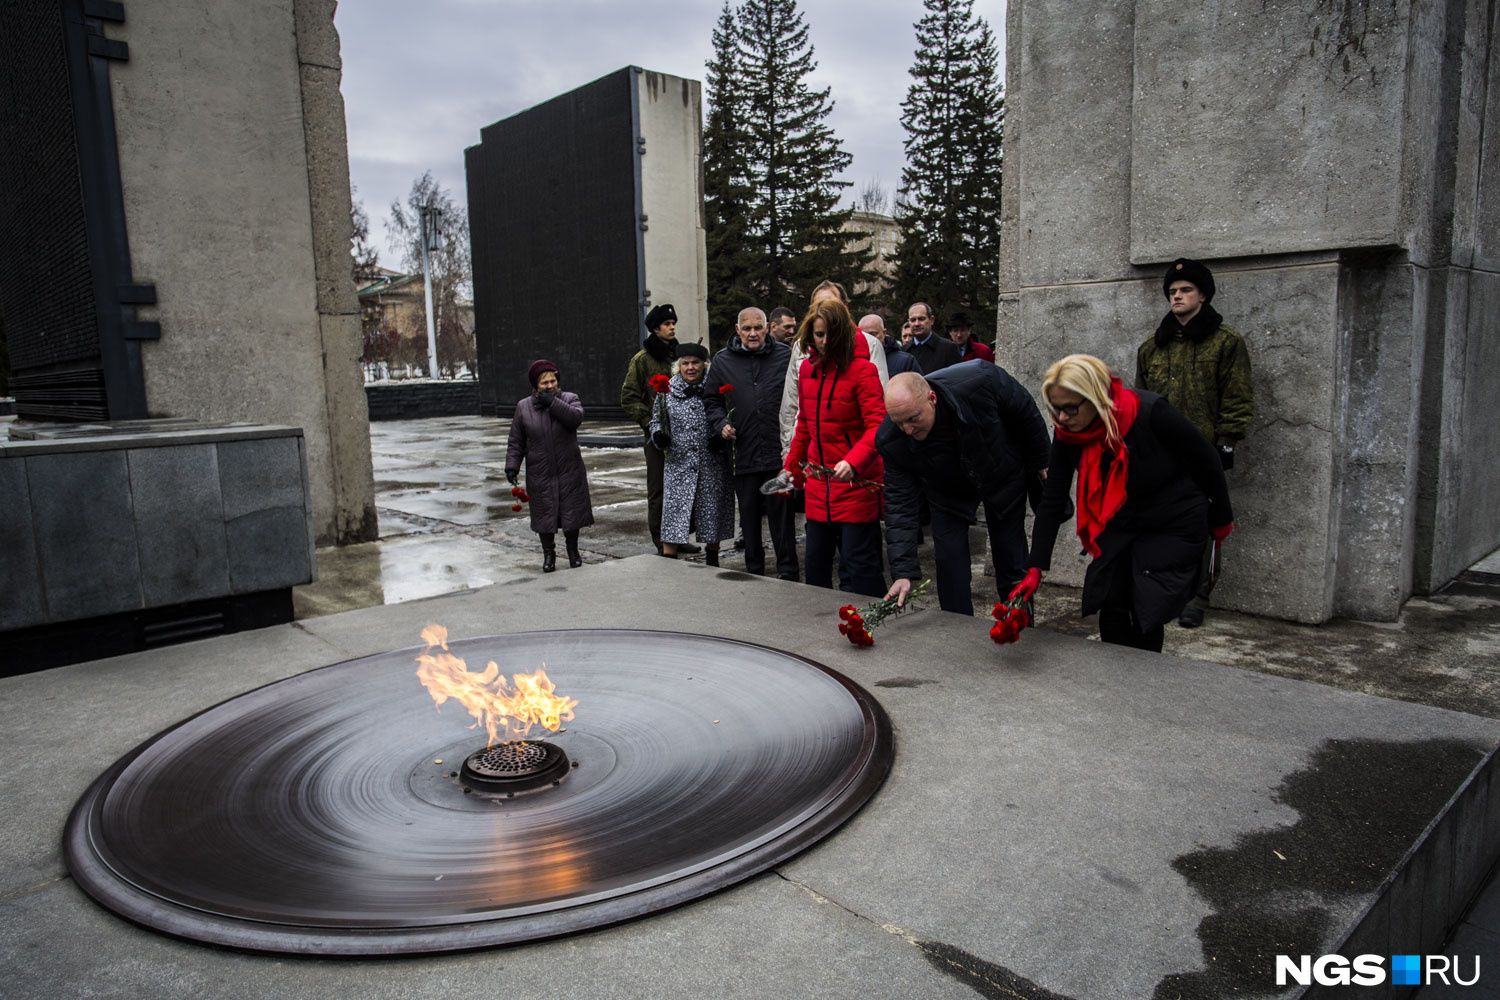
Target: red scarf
{"x": 1101, "y": 496}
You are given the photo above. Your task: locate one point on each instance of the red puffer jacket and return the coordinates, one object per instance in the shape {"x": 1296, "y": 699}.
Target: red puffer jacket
{"x": 839, "y": 412}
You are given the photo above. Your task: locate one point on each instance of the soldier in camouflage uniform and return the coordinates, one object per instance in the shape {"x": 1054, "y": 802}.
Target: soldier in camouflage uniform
{"x": 1202, "y": 368}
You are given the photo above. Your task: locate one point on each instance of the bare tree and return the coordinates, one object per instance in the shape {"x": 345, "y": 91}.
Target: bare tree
{"x": 874, "y": 197}
{"x": 361, "y": 250}
{"x": 452, "y": 268}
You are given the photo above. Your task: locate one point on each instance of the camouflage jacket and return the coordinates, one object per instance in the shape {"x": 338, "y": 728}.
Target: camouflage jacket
{"x": 1203, "y": 370}
{"x": 637, "y": 398}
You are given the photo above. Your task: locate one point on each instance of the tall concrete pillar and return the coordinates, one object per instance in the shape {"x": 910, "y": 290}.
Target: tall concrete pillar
{"x": 1335, "y": 165}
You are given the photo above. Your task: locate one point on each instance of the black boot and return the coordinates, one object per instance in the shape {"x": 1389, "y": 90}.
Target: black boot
{"x": 712, "y": 558}
{"x": 570, "y": 538}
{"x": 549, "y": 551}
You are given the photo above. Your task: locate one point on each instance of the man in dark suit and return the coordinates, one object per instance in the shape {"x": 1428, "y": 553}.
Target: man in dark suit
{"x": 931, "y": 351}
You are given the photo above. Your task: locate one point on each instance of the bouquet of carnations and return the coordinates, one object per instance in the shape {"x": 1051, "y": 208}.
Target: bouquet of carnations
{"x": 661, "y": 385}
{"x": 521, "y": 497}
{"x": 1010, "y": 618}
{"x": 855, "y": 624}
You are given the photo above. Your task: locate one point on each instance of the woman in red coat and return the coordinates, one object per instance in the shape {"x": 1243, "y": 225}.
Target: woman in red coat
{"x": 841, "y": 407}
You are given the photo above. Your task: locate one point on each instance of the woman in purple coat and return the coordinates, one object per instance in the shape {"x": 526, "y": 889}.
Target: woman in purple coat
{"x": 544, "y": 434}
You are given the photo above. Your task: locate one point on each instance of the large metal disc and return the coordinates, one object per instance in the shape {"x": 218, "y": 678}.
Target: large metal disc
{"x": 313, "y": 815}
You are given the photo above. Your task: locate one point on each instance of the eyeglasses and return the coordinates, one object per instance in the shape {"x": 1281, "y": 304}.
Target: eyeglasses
{"x": 1070, "y": 410}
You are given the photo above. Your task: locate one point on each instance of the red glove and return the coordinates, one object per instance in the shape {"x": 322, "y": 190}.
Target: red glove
{"x": 1221, "y": 532}
{"x": 1024, "y": 590}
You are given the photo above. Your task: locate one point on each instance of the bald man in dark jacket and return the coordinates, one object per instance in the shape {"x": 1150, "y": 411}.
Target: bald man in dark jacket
{"x": 962, "y": 436}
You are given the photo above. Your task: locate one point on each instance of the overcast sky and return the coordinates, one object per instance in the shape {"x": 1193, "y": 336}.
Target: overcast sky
{"x": 420, "y": 81}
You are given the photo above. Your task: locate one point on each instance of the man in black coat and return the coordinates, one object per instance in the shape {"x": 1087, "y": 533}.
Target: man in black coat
{"x": 931, "y": 351}
{"x": 962, "y": 436}
{"x": 755, "y": 365}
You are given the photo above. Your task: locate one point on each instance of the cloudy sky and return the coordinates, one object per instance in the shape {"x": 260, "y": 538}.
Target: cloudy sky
{"x": 420, "y": 81}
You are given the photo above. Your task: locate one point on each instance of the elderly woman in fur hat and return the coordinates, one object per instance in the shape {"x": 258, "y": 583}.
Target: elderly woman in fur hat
{"x": 544, "y": 435}
{"x": 698, "y": 494}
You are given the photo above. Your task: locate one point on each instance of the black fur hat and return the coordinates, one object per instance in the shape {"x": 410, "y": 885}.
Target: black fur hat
{"x": 1183, "y": 269}
{"x": 659, "y": 315}
{"x": 692, "y": 350}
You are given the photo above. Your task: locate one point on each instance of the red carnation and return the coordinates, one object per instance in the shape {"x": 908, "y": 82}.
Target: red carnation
{"x": 855, "y": 626}
{"x": 661, "y": 383}
{"x": 515, "y": 506}
{"x": 1010, "y": 621}
{"x": 725, "y": 388}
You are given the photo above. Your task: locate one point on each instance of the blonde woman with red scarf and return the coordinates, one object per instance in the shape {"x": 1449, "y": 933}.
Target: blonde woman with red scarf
{"x": 1150, "y": 494}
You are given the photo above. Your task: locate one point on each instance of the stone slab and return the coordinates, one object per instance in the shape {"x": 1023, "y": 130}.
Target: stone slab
{"x": 1298, "y": 126}
{"x": 85, "y": 534}
{"x": 1064, "y": 819}
{"x": 179, "y": 520}
{"x": 20, "y": 597}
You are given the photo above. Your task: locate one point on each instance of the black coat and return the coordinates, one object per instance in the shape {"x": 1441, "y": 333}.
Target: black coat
{"x": 897, "y": 360}
{"x": 757, "y": 377}
{"x": 936, "y": 354}
{"x": 1174, "y": 491}
{"x": 1001, "y": 444}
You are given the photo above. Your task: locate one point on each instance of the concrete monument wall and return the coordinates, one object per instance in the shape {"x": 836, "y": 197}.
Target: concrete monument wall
{"x": 676, "y": 261}
{"x": 234, "y": 167}
{"x": 1335, "y": 165}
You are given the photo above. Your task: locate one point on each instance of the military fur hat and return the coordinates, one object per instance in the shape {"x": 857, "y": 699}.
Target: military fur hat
{"x": 960, "y": 320}
{"x": 660, "y": 314}
{"x": 1183, "y": 269}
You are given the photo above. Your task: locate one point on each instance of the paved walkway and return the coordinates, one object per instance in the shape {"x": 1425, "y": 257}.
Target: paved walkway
{"x": 446, "y": 525}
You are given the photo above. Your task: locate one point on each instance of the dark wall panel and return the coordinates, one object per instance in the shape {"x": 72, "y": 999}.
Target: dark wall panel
{"x": 554, "y": 222}
{"x": 46, "y": 286}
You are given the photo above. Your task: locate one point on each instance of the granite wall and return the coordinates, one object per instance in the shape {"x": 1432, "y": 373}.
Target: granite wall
{"x": 1328, "y": 161}
{"x": 234, "y": 167}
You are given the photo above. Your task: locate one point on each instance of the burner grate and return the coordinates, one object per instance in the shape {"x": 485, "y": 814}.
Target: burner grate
{"x": 513, "y": 767}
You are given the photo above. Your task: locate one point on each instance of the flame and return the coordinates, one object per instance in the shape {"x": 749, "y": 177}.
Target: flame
{"x": 486, "y": 696}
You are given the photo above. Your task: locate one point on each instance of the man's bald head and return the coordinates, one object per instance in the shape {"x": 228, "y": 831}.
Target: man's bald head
{"x": 873, "y": 325}
{"x": 911, "y": 404}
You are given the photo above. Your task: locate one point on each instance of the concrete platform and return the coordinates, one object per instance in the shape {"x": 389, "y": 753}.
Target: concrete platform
{"x": 1064, "y": 819}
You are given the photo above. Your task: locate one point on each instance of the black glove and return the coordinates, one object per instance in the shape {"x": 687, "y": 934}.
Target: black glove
{"x": 1226, "y": 456}
{"x": 513, "y": 476}
{"x": 543, "y": 400}
{"x": 662, "y": 440}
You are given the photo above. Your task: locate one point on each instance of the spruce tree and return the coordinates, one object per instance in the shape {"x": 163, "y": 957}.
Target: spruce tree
{"x": 726, "y": 191}
{"x": 948, "y": 205}
{"x": 792, "y": 160}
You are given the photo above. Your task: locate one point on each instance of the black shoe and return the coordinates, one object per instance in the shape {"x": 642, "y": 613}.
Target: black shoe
{"x": 574, "y": 559}
{"x": 549, "y": 560}
{"x": 1191, "y": 617}
{"x": 792, "y": 577}
{"x": 712, "y": 558}
{"x": 688, "y": 549}
{"x": 739, "y": 543}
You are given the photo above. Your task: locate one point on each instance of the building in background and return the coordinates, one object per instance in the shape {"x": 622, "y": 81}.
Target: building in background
{"x": 879, "y": 234}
